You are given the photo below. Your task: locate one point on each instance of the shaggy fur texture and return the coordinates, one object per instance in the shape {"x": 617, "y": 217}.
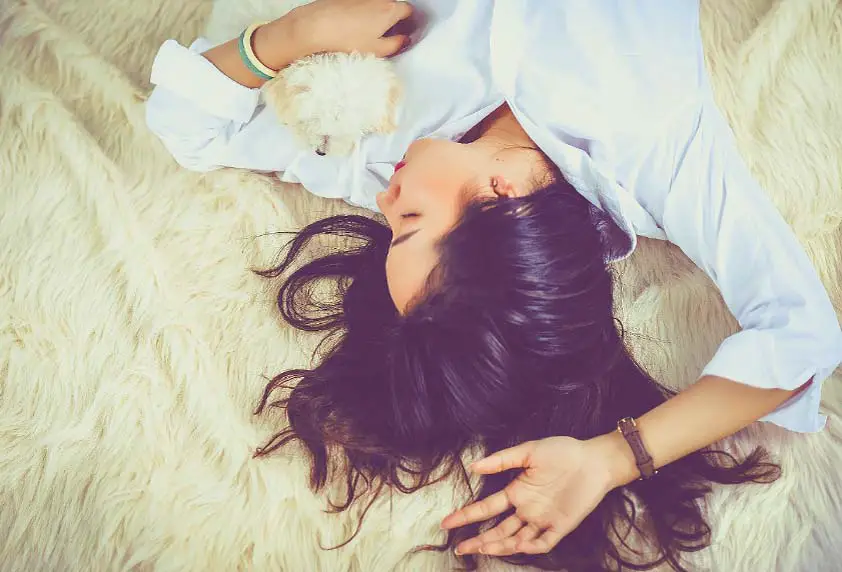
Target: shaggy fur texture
{"x": 133, "y": 338}
{"x": 330, "y": 101}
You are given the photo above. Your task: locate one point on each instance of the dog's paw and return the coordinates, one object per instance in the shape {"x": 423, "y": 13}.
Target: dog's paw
{"x": 332, "y": 101}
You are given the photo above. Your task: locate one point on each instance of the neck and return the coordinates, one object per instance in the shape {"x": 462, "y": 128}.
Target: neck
{"x": 501, "y": 129}
{"x": 501, "y": 132}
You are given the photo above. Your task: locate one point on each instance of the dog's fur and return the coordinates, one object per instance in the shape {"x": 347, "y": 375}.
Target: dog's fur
{"x": 329, "y": 101}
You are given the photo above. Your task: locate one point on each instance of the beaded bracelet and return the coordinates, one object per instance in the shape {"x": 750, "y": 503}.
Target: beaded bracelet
{"x": 248, "y": 56}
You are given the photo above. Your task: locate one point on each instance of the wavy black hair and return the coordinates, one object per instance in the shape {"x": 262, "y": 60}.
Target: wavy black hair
{"x": 514, "y": 339}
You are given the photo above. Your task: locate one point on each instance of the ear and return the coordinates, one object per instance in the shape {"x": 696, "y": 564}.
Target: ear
{"x": 504, "y": 188}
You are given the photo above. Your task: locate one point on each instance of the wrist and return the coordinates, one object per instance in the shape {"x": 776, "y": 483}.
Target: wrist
{"x": 620, "y": 464}
{"x": 281, "y": 42}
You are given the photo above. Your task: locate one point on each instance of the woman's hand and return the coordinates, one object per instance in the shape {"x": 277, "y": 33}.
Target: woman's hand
{"x": 562, "y": 481}
{"x": 352, "y": 26}
{"x": 322, "y": 26}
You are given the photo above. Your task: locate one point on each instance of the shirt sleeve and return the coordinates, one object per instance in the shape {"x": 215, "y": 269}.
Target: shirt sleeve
{"x": 206, "y": 120}
{"x": 718, "y": 214}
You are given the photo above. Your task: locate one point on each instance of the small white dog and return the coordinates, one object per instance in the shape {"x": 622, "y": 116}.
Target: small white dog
{"x": 330, "y": 101}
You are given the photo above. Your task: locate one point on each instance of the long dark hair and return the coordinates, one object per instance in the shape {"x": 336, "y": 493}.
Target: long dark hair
{"x": 513, "y": 339}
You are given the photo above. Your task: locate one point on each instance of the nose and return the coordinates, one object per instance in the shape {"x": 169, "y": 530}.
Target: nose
{"x": 387, "y": 198}
{"x": 384, "y": 199}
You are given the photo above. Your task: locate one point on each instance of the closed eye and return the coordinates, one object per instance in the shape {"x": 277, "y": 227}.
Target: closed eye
{"x": 403, "y": 238}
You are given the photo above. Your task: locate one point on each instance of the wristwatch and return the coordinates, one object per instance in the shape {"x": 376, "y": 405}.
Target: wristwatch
{"x": 645, "y": 463}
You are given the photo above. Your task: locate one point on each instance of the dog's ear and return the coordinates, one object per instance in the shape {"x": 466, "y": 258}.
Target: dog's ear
{"x": 282, "y": 98}
{"x": 389, "y": 122}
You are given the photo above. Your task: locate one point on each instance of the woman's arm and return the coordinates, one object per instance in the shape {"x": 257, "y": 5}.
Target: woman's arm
{"x": 790, "y": 341}
{"x": 564, "y": 478}
{"x": 206, "y": 120}
{"x": 276, "y": 44}
{"x": 701, "y": 192}
{"x": 321, "y": 26}
{"x": 204, "y": 107}
{"x": 709, "y": 410}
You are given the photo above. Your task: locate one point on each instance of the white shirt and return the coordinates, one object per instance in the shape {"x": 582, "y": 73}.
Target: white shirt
{"x": 616, "y": 93}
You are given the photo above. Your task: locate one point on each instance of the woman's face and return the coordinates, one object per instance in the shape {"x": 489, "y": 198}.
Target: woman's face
{"x": 427, "y": 194}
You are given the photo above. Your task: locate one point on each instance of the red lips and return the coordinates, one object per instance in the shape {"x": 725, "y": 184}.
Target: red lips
{"x": 400, "y": 166}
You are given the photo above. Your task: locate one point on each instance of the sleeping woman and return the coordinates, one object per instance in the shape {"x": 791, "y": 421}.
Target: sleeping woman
{"x": 536, "y": 141}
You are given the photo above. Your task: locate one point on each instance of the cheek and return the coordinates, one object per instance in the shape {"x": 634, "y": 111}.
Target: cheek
{"x": 406, "y": 274}
{"x": 446, "y": 155}
{"x": 398, "y": 282}
{"x": 444, "y": 172}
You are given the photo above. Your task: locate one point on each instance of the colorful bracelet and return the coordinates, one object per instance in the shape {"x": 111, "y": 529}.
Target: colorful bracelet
{"x": 248, "y": 56}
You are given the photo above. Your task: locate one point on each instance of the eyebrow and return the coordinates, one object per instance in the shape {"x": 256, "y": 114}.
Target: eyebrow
{"x": 465, "y": 192}
{"x": 403, "y": 238}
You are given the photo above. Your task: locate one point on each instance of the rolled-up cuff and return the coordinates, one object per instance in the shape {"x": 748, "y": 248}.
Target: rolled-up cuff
{"x": 188, "y": 74}
{"x": 760, "y": 359}
{"x": 801, "y": 412}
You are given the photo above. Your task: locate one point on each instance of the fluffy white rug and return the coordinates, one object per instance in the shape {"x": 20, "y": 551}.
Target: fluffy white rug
{"x": 133, "y": 338}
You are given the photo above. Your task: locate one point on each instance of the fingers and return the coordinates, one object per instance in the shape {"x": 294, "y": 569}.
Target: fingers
{"x": 390, "y": 45}
{"x": 487, "y": 508}
{"x": 511, "y": 545}
{"x": 505, "y": 529}
{"x": 516, "y": 457}
{"x": 528, "y": 532}
{"x": 401, "y": 10}
{"x": 397, "y": 18}
{"x": 510, "y": 537}
{"x": 544, "y": 543}
{"x": 397, "y": 37}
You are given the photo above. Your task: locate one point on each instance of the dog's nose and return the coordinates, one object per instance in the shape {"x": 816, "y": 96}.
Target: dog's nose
{"x": 320, "y": 153}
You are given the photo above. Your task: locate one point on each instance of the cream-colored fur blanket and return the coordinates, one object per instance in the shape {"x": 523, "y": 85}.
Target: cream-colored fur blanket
{"x": 133, "y": 338}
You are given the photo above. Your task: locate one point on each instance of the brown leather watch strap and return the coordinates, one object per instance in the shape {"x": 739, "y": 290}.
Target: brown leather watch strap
{"x": 645, "y": 463}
